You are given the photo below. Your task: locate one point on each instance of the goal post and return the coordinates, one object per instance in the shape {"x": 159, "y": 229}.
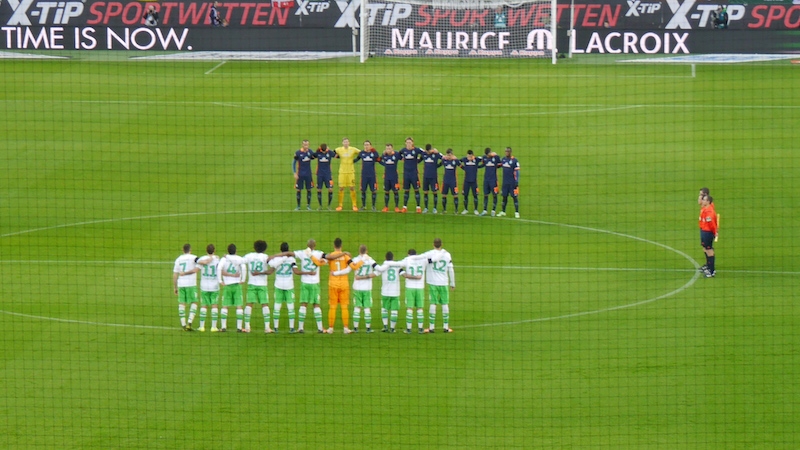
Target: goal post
{"x": 458, "y": 28}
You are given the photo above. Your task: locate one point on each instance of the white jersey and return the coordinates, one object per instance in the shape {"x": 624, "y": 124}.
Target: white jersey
{"x": 284, "y": 277}
{"x": 415, "y": 266}
{"x": 233, "y": 264}
{"x": 256, "y": 262}
{"x": 185, "y": 263}
{"x": 440, "y": 268}
{"x": 208, "y": 276}
{"x": 363, "y": 271}
{"x": 307, "y": 264}
{"x": 390, "y": 272}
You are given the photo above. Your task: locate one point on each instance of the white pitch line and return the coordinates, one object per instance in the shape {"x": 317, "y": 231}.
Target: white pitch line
{"x": 215, "y": 67}
{"x": 86, "y": 322}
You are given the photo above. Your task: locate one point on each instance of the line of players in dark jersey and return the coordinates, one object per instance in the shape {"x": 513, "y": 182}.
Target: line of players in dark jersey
{"x": 411, "y": 157}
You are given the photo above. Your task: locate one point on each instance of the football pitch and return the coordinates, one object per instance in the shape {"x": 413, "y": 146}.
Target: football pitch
{"x": 583, "y": 324}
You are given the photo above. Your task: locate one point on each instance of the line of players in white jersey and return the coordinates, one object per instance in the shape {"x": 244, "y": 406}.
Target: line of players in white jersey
{"x": 226, "y": 276}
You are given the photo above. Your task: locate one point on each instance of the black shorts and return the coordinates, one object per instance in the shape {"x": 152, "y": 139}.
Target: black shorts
{"x": 391, "y": 184}
{"x": 707, "y": 240}
{"x": 411, "y": 181}
{"x": 509, "y": 189}
{"x": 304, "y": 181}
{"x": 369, "y": 182}
{"x": 449, "y": 188}
{"x": 430, "y": 184}
{"x": 489, "y": 187}
{"x": 471, "y": 186}
{"x": 324, "y": 181}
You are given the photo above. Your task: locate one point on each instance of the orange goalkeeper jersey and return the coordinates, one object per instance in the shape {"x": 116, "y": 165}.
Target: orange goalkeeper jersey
{"x": 339, "y": 281}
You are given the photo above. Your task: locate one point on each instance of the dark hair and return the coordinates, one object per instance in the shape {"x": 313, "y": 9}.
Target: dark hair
{"x": 187, "y": 248}
{"x": 389, "y": 256}
{"x": 390, "y": 145}
{"x": 470, "y": 152}
{"x": 428, "y": 146}
{"x": 367, "y": 141}
{"x": 710, "y": 199}
{"x": 323, "y": 147}
{"x": 337, "y": 243}
{"x": 449, "y": 151}
{"x": 232, "y": 249}
{"x": 284, "y": 247}
{"x": 508, "y": 149}
{"x": 259, "y": 246}
{"x": 210, "y": 248}
{"x": 487, "y": 151}
{"x": 437, "y": 243}
{"x": 705, "y": 191}
{"x": 412, "y": 252}
{"x": 410, "y": 138}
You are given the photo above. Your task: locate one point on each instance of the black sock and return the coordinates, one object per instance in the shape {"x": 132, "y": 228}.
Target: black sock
{"x": 516, "y": 204}
{"x": 308, "y": 198}
{"x": 364, "y": 199}
{"x": 386, "y": 199}
{"x": 416, "y": 197}
{"x": 374, "y": 196}
{"x": 426, "y": 200}
{"x": 319, "y": 198}
{"x": 405, "y": 199}
{"x": 396, "y": 199}
{"x": 435, "y": 200}
{"x": 455, "y": 201}
{"x": 330, "y": 198}
{"x": 298, "y": 199}
{"x": 485, "y": 202}
{"x": 494, "y": 202}
{"x": 711, "y": 264}
{"x": 444, "y": 204}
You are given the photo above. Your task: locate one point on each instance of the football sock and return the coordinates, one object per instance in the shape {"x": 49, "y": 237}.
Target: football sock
{"x": 494, "y": 202}
{"x": 301, "y": 318}
{"x": 239, "y": 317}
{"x": 485, "y": 202}
{"x": 330, "y": 198}
{"x": 214, "y": 317}
{"x": 394, "y": 319}
{"x": 432, "y": 317}
{"x": 711, "y": 264}
{"x": 341, "y": 198}
{"x": 409, "y": 318}
{"x": 405, "y": 199}
{"x": 386, "y": 199}
{"x": 353, "y": 197}
{"x": 182, "y": 314}
{"x": 290, "y": 306}
{"x": 223, "y": 318}
{"x": 505, "y": 202}
{"x": 192, "y": 313}
{"x": 420, "y": 318}
{"x": 416, "y": 197}
{"x": 356, "y": 317}
{"x": 474, "y": 200}
{"x": 446, "y": 316}
{"x": 426, "y": 200}
{"x": 368, "y": 317}
{"x": 385, "y": 317}
{"x": 466, "y": 202}
{"x": 374, "y": 196}
{"x": 248, "y": 312}
{"x": 345, "y": 316}
{"x": 444, "y": 204}
{"x": 516, "y": 203}
{"x": 203, "y": 313}
{"x": 276, "y": 316}
{"x": 331, "y": 316}
{"x": 265, "y": 312}
{"x": 319, "y": 198}
{"x": 298, "y": 199}
{"x": 364, "y": 199}
{"x": 396, "y": 199}
{"x": 455, "y": 200}
{"x": 435, "y": 200}
{"x": 308, "y": 197}
{"x": 318, "y": 316}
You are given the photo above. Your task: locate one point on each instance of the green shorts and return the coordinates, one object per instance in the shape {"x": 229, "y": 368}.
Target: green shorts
{"x": 390, "y": 303}
{"x": 309, "y": 293}
{"x": 187, "y": 294}
{"x": 209, "y": 298}
{"x": 438, "y": 295}
{"x": 363, "y": 299}
{"x": 257, "y": 294}
{"x": 415, "y": 298}
{"x": 284, "y": 296}
{"x": 232, "y": 295}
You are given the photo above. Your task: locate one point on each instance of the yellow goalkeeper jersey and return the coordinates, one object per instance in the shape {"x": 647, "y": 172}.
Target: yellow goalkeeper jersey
{"x": 347, "y": 155}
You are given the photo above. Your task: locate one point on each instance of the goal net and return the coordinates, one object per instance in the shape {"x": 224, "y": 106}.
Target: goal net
{"x": 458, "y": 29}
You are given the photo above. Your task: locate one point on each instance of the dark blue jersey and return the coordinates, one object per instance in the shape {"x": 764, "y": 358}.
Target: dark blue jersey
{"x": 390, "y": 162}
{"x": 302, "y": 163}
{"x": 491, "y": 163}
{"x": 324, "y": 161}
{"x": 450, "y": 166}
{"x": 471, "y": 169}
{"x": 410, "y": 160}
{"x": 510, "y": 172}
{"x": 368, "y": 160}
{"x": 430, "y": 163}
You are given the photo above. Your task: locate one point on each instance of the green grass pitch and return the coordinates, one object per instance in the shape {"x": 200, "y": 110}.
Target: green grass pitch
{"x": 584, "y": 324}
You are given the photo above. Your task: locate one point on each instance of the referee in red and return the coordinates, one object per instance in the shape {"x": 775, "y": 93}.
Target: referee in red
{"x": 709, "y": 228}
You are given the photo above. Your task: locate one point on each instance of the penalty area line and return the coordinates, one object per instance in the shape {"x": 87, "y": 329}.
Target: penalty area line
{"x": 208, "y": 72}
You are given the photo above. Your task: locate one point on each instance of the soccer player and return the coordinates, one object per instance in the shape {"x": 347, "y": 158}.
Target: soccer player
{"x": 209, "y": 288}
{"x": 391, "y": 182}
{"x": 324, "y": 156}
{"x": 231, "y": 276}
{"x": 430, "y": 176}
{"x": 440, "y": 268}
{"x": 184, "y": 284}
{"x": 491, "y": 161}
{"x": 364, "y": 266}
{"x": 347, "y": 173}
{"x": 450, "y": 180}
{"x": 510, "y": 166}
{"x": 390, "y": 290}
{"x": 284, "y": 268}
{"x": 368, "y": 157}
{"x": 470, "y": 164}
{"x": 709, "y": 229}
{"x": 338, "y": 286}
{"x": 310, "y": 261}
{"x": 257, "y": 285}
{"x": 302, "y": 175}
{"x": 415, "y": 289}
{"x": 411, "y": 156}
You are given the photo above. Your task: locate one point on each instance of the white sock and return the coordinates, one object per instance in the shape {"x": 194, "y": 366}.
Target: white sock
{"x": 276, "y": 314}
{"x": 302, "y": 323}
{"x": 446, "y": 316}
{"x": 356, "y": 316}
{"x": 432, "y": 317}
{"x": 248, "y": 311}
{"x": 318, "y": 313}
{"x": 239, "y": 314}
{"x": 203, "y": 312}
{"x": 265, "y": 312}
{"x": 385, "y": 317}
{"x": 223, "y": 318}
{"x": 192, "y": 313}
{"x": 182, "y": 314}
{"x": 290, "y": 307}
{"x": 214, "y": 314}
